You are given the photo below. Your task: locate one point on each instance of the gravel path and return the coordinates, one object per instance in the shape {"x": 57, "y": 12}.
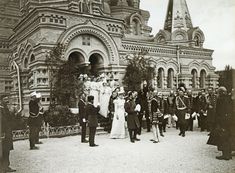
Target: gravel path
{"x": 174, "y": 154}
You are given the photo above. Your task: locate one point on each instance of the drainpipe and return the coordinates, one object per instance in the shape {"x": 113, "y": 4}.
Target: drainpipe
{"x": 19, "y": 87}
{"x": 179, "y": 66}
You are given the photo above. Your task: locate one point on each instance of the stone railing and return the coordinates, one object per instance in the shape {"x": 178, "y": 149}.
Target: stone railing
{"x": 50, "y": 132}
{"x": 47, "y": 132}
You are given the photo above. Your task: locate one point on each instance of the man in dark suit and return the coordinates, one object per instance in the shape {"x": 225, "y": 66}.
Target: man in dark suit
{"x": 92, "y": 114}
{"x": 83, "y": 117}
{"x": 132, "y": 118}
{"x": 6, "y": 135}
{"x": 143, "y": 101}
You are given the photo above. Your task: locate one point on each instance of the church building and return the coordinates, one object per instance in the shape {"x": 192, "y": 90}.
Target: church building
{"x": 100, "y": 35}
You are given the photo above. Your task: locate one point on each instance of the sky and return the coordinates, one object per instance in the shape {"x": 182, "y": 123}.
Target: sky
{"x": 214, "y": 17}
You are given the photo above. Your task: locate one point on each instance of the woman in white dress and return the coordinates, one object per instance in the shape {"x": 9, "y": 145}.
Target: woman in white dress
{"x": 94, "y": 91}
{"x": 118, "y": 125}
{"x": 105, "y": 94}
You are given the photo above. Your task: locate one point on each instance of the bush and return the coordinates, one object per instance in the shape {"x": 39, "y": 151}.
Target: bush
{"x": 60, "y": 116}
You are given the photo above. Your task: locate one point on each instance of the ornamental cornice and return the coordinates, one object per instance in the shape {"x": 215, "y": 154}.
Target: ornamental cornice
{"x": 171, "y": 50}
{"x": 138, "y": 47}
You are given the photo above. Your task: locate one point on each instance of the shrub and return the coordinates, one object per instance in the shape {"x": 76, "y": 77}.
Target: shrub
{"x": 60, "y": 116}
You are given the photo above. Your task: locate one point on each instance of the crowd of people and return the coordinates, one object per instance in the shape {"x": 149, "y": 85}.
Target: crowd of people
{"x": 127, "y": 110}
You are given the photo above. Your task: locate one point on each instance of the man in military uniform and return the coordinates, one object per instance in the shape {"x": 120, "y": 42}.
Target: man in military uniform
{"x": 6, "y": 135}
{"x": 161, "y": 107}
{"x": 33, "y": 121}
{"x": 182, "y": 107}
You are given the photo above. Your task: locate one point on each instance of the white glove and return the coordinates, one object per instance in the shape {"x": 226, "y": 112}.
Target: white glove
{"x": 137, "y": 108}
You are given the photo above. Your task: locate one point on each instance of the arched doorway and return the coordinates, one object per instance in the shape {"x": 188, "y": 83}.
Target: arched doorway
{"x": 160, "y": 82}
{"x": 194, "y": 78}
{"x": 77, "y": 60}
{"x": 202, "y": 79}
{"x": 96, "y": 64}
{"x": 170, "y": 78}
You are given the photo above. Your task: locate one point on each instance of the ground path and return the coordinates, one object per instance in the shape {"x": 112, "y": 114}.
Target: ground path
{"x": 174, "y": 154}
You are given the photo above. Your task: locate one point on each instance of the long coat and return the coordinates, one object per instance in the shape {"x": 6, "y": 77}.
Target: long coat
{"x": 6, "y": 125}
{"x": 92, "y": 114}
{"x": 34, "y": 116}
{"x": 132, "y": 118}
{"x": 223, "y": 121}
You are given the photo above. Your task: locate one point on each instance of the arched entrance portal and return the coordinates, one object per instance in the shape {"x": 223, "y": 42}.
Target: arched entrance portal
{"x": 77, "y": 60}
{"x": 96, "y": 64}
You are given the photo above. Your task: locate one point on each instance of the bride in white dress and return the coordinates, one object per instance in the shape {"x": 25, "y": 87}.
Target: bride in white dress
{"x": 118, "y": 125}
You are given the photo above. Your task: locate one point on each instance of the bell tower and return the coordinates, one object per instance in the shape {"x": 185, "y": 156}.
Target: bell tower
{"x": 178, "y": 27}
{"x": 177, "y": 16}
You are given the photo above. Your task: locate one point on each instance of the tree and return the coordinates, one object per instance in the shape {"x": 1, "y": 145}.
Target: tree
{"x": 138, "y": 70}
{"x": 64, "y": 83}
{"x": 53, "y": 61}
{"x": 67, "y": 86}
{"x": 226, "y": 78}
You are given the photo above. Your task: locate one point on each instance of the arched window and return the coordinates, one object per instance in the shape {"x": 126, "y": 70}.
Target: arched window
{"x": 170, "y": 78}
{"x": 202, "y": 79}
{"x": 197, "y": 41}
{"x": 32, "y": 58}
{"x": 161, "y": 39}
{"x": 194, "y": 78}
{"x": 26, "y": 63}
{"x": 136, "y": 27}
{"x": 160, "y": 82}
